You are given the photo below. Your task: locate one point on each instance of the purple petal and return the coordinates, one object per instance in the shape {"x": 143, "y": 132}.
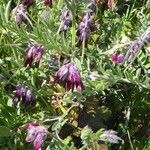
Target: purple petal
{"x": 80, "y": 87}
{"x": 15, "y": 100}
{"x": 38, "y": 142}
{"x": 28, "y": 96}
{"x": 121, "y": 58}
{"x": 32, "y": 135}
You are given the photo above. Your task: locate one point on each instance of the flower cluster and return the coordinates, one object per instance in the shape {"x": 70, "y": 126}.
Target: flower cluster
{"x": 110, "y": 136}
{"x": 136, "y": 46}
{"x": 37, "y": 134}
{"x": 87, "y": 25}
{"x": 67, "y": 20}
{"x": 34, "y": 53}
{"x": 117, "y": 58}
{"x": 68, "y": 77}
{"x": 23, "y": 94}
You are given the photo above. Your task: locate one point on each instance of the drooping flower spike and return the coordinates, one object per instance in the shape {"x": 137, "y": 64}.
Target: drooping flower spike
{"x": 34, "y": 53}
{"x": 85, "y": 28}
{"x": 36, "y": 134}
{"x": 67, "y": 20}
{"x": 68, "y": 76}
{"x": 87, "y": 25}
{"x": 136, "y": 46}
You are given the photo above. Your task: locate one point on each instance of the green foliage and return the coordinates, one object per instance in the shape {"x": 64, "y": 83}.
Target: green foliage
{"x": 76, "y": 120}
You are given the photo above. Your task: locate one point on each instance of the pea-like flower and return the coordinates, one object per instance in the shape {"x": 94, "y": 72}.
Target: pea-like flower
{"x": 67, "y": 23}
{"x": 20, "y": 93}
{"x": 66, "y": 20}
{"x": 21, "y": 14}
{"x": 110, "y": 136}
{"x": 118, "y": 58}
{"x": 29, "y": 97}
{"x": 36, "y": 134}
{"x": 34, "y": 53}
{"x": 86, "y": 26}
{"x": 23, "y": 94}
{"x": 68, "y": 76}
{"x": 28, "y": 3}
{"x": 136, "y": 46}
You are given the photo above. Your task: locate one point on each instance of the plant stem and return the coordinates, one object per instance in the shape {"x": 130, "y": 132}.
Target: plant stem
{"x": 83, "y": 51}
{"x": 130, "y": 140}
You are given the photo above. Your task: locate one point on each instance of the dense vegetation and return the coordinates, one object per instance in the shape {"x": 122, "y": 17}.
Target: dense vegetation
{"x": 74, "y": 74}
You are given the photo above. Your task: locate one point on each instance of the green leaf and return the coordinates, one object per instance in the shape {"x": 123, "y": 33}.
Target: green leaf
{"x": 5, "y": 132}
{"x": 7, "y": 12}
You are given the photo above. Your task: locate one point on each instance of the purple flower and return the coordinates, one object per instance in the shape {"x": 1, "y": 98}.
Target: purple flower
{"x": 28, "y": 3}
{"x": 48, "y": 3}
{"x": 67, "y": 20}
{"x": 145, "y": 37}
{"x": 115, "y": 58}
{"x": 20, "y": 93}
{"x": 21, "y": 14}
{"x": 121, "y": 58}
{"x": 66, "y": 24}
{"x": 34, "y": 53}
{"x": 136, "y": 46}
{"x": 110, "y": 136}
{"x": 28, "y": 98}
{"x": 86, "y": 26}
{"x": 118, "y": 58}
{"x": 15, "y": 100}
{"x": 68, "y": 77}
{"x": 23, "y": 94}
{"x": 92, "y": 6}
{"x": 36, "y": 134}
